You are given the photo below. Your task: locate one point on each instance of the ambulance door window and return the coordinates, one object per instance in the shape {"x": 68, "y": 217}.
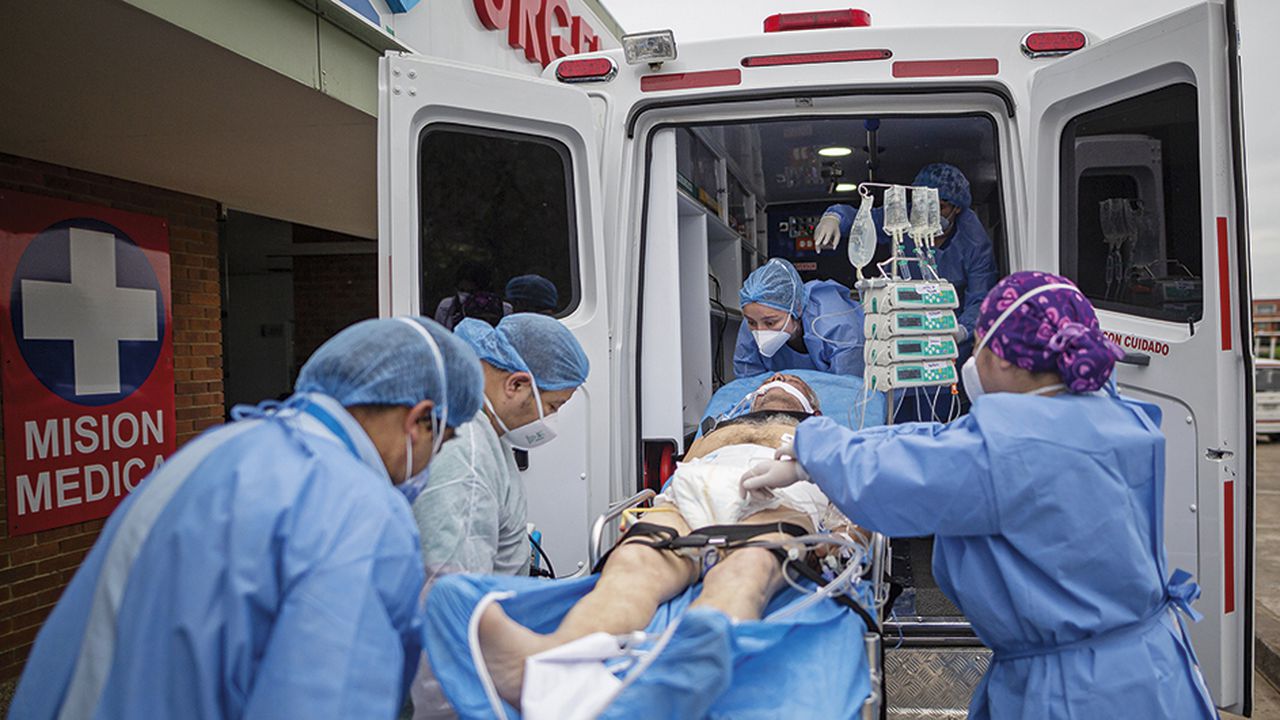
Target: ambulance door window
{"x": 1130, "y": 205}
{"x": 499, "y": 233}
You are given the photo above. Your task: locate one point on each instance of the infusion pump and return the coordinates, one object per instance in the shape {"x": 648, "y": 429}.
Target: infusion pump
{"x": 910, "y": 330}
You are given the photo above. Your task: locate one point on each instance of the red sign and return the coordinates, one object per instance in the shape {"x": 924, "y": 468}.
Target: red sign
{"x": 537, "y": 27}
{"x": 86, "y": 340}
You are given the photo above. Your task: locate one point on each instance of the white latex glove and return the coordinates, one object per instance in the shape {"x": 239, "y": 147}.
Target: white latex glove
{"x": 826, "y": 235}
{"x": 780, "y": 472}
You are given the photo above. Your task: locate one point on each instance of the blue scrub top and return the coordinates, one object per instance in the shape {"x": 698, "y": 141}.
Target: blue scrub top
{"x": 268, "y": 568}
{"x": 833, "y": 327}
{"x": 967, "y": 260}
{"x": 1048, "y": 516}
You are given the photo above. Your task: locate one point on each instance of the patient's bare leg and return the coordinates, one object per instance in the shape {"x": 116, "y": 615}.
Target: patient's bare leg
{"x": 742, "y": 584}
{"x": 632, "y": 584}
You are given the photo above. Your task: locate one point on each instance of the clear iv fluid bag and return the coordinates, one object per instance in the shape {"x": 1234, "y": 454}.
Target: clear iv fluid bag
{"x": 895, "y": 210}
{"x": 862, "y": 237}
{"x": 920, "y": 212}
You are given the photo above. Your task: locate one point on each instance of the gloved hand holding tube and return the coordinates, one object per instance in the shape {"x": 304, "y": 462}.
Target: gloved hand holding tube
{"x": 781, "y": 471}
{"x": 826, "y": 234}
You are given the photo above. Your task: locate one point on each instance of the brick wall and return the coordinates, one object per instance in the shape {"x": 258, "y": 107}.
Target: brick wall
{"x": 35, "y": 568}
{"x": 330, "y": 292}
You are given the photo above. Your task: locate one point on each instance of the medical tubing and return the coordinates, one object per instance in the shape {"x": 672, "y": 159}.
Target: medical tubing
{"x": 843, "y": 580}
{"x": 634, "y": 673}
{"x": 813, "y": 328}
{"x": 477, "y": 655}
{"x": 542, "y": 554}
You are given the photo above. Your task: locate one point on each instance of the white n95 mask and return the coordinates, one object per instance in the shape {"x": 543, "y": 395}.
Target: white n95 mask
{"x": 532, "y": 434}
{"x": 771, "y": 341}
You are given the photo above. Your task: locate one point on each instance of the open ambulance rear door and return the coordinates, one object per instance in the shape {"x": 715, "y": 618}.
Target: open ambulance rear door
{"x": 1135, "y": 172}
{"x": 482, "y": 166}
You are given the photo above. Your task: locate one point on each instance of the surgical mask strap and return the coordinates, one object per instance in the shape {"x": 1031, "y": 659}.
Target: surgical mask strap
{"x": 1018, "y": 303}
{"x": 537, "y": 398}
{"x": 788, "y": 389}
{"x": 438, "y": 421}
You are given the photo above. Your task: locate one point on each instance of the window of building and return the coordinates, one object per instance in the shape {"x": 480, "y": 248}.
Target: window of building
{"x": 1130, "y": 220}
{"x": 1266, "y": 309}
{"x": 499, "y": 229}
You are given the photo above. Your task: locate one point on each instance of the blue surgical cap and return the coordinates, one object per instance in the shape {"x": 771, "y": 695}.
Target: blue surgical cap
{"x": 533, "y": 291}
{"x": 532, "y": 343}
{"x": 386, "y": 362}
{"x": 951, "y": 184}
{"x": 775, "y": 284}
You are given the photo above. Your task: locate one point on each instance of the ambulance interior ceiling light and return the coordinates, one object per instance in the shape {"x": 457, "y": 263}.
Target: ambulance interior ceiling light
{"x": 846, "y": 187}
{"x": 835, "y": 151}
{"x": 818, "y": 20}
{"x": 652, "y": 48}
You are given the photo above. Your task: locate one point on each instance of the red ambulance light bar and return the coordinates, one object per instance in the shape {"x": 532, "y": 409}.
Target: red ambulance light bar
{"x": 685, "y": 81}
{"x": 815, "y": 58}
{"x": 1050, "y": 44}
{"x": 586, "y": 70}
{"x": 820, "y": 20}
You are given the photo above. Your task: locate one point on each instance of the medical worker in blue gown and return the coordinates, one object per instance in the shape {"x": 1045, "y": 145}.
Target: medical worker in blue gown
{"x": 789, "y": 324}
{"x": 473, "y": 513}
{"x": 1047, "y": 505}
{"x": 964, "y": 255}
{"x": 270, "y": 568}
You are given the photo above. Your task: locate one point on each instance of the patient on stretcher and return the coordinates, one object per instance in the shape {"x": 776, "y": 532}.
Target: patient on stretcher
{"x": 643, "y": 571}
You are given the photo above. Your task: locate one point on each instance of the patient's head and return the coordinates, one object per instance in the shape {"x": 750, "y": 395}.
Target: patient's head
{"x": 786, "y": 393}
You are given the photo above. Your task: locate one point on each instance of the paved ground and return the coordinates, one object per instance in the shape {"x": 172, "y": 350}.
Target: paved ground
{"x": 1268, "y": 528}
{"x": 1267, "y": 579}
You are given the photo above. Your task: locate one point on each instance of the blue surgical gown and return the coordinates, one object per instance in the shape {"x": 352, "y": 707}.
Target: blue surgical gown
{"x": 1047, "y": 513}
{"x": 966, "y": 260}
{"x": 268, "y": 569}
{"x": 833, "y": 339}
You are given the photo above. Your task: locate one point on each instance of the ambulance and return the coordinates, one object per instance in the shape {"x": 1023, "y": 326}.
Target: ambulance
{"x": 646, "y": 181}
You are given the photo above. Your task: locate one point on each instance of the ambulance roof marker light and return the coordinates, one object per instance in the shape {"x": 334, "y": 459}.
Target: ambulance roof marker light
{"x": 817, "y": 20}
{"x": 651, "y": 48}
{"x": 582, "y": 70}
{"x": 1053, "y": 44}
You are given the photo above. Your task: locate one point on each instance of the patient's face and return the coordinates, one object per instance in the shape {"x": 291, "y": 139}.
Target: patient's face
{"x": 779, "y": 400}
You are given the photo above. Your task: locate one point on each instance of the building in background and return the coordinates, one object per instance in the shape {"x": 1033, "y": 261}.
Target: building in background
{"x": 1266, "y": 327}
{"x": 245, "y": 132}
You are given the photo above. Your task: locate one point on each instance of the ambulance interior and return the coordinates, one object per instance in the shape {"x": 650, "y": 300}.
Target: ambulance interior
{"x": 745, "y": 192}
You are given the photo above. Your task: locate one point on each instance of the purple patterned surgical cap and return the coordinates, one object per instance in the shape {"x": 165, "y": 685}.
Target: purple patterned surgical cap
{"x": 1054, "y": 331}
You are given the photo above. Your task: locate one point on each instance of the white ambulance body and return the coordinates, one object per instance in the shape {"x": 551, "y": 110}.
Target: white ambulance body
{"x": 1150, "y": 117}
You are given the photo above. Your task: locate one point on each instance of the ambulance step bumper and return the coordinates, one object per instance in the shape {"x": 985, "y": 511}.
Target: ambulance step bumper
{"x": 924, "y": 683}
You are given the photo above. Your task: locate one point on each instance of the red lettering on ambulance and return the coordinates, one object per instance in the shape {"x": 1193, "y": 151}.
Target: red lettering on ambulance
{"x": 494, "y": 14}
{"x": 584, "y": 36}
{"x": 523, "y": 30}
{"x": 554, "y": 15}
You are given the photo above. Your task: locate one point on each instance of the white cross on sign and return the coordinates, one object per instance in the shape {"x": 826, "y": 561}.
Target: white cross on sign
{"x": 90, "y": 311}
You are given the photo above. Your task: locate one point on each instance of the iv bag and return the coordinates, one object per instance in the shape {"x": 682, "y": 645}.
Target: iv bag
{"x": 862, "y": 237}
{"x": 934, "y": 212}
{"x": 895, "y": 210}
{"x": 920, "y": 212}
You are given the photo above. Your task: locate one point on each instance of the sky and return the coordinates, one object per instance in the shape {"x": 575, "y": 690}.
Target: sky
{"x": 705, "y": 19}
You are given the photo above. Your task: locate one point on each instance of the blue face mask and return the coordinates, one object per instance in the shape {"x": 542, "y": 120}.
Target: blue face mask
{"x": 946, "y": 223}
